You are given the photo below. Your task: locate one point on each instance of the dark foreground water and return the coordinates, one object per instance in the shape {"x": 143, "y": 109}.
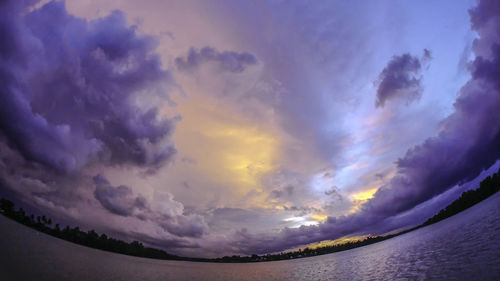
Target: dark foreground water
{"x": 464, "y": 247}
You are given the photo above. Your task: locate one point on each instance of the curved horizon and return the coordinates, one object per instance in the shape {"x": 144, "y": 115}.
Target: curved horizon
{"x": 240, "y": 128}
{"x": 85, "y": 263}
{"x": 487, "y": 187}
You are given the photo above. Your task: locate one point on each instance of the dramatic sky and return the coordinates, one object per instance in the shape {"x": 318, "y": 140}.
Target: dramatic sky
{"x": 210, "y": 128}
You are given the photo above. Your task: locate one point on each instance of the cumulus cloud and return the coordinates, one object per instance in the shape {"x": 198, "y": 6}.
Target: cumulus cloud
{"x": 164, "y": 211}
{"x": 400, "y": 78}
{"x": 74, "y": 93}
{"x": 227, "y": 60}
{"x": 68, "y": 88}
{"x": 118, "y": 200}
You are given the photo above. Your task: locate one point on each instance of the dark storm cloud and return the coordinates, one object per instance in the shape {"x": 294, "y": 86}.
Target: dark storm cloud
{"x": 68, "y": 87}
{"x": 484, "y": 14}
{"x": 118, "y": 200}
{"x": 75, "y": 92}
{"x": 468, "y": 142}
{"x": 399, "y": 78}
{"x": 228, "y": 60}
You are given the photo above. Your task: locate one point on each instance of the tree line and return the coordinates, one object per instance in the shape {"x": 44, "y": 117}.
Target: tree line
{"x": 89, "y": 238}
{"x": 489, "y": 186}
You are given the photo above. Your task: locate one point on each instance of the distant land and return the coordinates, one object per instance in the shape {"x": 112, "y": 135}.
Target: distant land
{"x": 488, "y": 186}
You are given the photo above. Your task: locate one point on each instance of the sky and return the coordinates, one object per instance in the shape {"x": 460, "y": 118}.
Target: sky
{"x": 211, "y": 128}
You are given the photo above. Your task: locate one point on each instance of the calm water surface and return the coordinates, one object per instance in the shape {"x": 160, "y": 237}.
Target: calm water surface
{"x": 464, "y": 247}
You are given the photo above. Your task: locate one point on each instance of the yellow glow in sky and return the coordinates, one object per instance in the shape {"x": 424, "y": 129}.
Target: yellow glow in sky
{"x": 339, "y": 241}
{"x": 360, "y": 197}
{"x": 318, "y": 217}
{"x": 364, "y": 195}
{"x": 226, "y": 147}
{"x": 248, "y": 152}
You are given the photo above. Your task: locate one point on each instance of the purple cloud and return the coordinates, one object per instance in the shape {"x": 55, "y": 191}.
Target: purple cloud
{"x": 168, "y": 214}
{"x": 68, "y": 88}
{"x": 227, "y": 61}
{"x": 399, "y": 78}
{"x": 468, "y": 142}
{"x": 184, "y": 226}
{"x": 118, "y": 200}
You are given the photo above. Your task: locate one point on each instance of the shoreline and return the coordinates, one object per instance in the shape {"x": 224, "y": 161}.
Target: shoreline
{"x": 488, "y": 187}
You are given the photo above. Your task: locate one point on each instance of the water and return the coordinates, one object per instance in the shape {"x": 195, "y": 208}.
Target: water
{"x": 464, "y": 247}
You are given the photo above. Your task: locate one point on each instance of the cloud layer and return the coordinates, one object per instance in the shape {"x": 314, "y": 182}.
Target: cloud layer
{"x": 118, "y": 200}
{"x": 165, "y": 211}
{"x": 226, "y": 61}
{"x": 399, "y": 79}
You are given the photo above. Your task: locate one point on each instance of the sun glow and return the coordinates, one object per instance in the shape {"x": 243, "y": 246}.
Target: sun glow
{"x": 318, "y": 217}
{"x": 300, "y": 221}
{"x": 339, "y": 241}
{"x": 360, "y": 197}
{"x": 227, "y": 148}
{"x": 364, "y": 195}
